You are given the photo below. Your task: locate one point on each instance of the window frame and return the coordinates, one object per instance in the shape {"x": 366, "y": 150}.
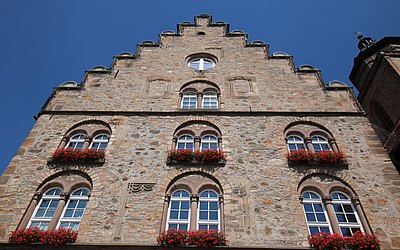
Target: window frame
{"x": 202, "y": 142}
{"x": 312, "y": 201}
{"x": 44, "y": 197}
{"x": 202, "y": 60}
{"x": 208, "y": 200}
{"x": 73, "y": 197}
{"x": 185, "y": 141}
{"x": 211, "y": 97}
{"x": 319, "y": 142}
{"x": 296, "y": 143}
{"x": 190, "y": 95}
{"x": 100, "y": 141}
{"x": 179, "y": 221}
{"x": 76, "y": 141}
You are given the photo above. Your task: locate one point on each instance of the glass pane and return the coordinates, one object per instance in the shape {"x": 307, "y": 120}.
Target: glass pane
{"x": 49, "y": 213}
{"x": 185, "y": 205}
{"x": 44, "y": 225}
{"x": 174, "y": 204}
{"x": 45, "y": 203}
{"x": 338, "y": 208}
{"x": 321, "y": 217}
{"x": 203, "y": 227}
{"x": 34, "y": 224}
{"x": 64, "y": 225}
{"x": 81, "y": 204}
{"x": 40, "y": 212}
{"x": 313, "y": 230}
{"x": 308, "y": 208}
{"x": 184, "y": 215}
{"x": 213, "y": 227}
{"x": 174, "y": 215}
{"x": 324, "y": 229}
{"x": 213, "y": 216}
{"x": 341, "y": 217}
{"x": 183, "y": 227}
{"x": 203, "y": 205}
{"x": 318, "y": 208}
{"x": 173, "y": 226}
{"x": 292, "y": 147}
{"x": 68, "y": 213}
{"x": 74, "y": 225}
{"x": 53, "y": 203}
{"x": 348, "y": 208}
{"x": 345, "y": 231}
{"x": 72, "y": 203}
{"x": 310, "y": 217}
{"x": 78, "y": 213}
{"x": 213, "y": 205}
{"x": 351, "y": 218}
{"x": 203, "y": 215}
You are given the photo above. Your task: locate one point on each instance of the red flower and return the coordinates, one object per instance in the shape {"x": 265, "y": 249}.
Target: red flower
{"x": 59, "y": 236}
{"x": 80, "y": 155}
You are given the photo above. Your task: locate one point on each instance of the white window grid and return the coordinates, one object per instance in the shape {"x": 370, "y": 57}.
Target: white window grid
{"x": 76, "y": 142}
{"x": 207, "y": 197}
{"x": 201, "y": 64}
{"x": 209, "y": 142}
{"x": 189, "y": 100}
{"x": 100, "y": 142}
{"x": 79, "y": 197}
{"x": 185, "y": 142}
{"x": 343, "y": 202}
{"x": 180, "y": 197}
{"x": 210, "y": 100}
{"x": 320, "y": 143}
{"x": 42, "y": 215}
{"x": 295, "y": 143}
{"x": 314, "y": 200}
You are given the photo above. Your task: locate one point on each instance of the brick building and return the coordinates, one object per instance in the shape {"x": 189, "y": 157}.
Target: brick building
{"x": 376, "y": 74}
{"x": 202, "y": 87}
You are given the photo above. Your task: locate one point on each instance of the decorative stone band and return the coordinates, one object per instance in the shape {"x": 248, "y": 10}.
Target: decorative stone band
{"x": 140, "y": 187}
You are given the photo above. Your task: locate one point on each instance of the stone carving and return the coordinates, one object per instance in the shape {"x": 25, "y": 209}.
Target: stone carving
{"x": 140, "y": 187}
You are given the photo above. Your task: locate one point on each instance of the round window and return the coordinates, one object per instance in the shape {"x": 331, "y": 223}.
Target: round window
{"x": 201, "y": 63}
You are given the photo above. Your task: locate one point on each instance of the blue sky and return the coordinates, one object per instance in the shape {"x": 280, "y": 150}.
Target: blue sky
{"x": 44, "y": 43}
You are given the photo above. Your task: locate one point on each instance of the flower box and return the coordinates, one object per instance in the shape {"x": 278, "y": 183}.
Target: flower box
{"x": 201, "y": 238}
{"x": 66, "y": 155}
{"x": 303, "y": 157}
{"x": 200, "y": 157}
{"x": 55, "y": 237}
{"x": 358, "y": 240}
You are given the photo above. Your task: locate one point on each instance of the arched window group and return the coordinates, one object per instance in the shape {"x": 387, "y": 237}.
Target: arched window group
{"x": 193, "y": 202}
{"x": 199, "y": 95}
{"x": 334, "y": 212}
{"x": 197, "y": 136}
{"x": 59, "y": 203}
{"x": 92, "y": 135}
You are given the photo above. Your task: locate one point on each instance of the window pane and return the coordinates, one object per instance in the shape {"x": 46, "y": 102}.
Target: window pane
{"x": 203, "y": 215}
{"x": 313, "y": 230}
{"x": 348, "y": 208}
{"x": 308, "y": 208}
{"x": 318, "y": 208}
{"x": 185, "y": 205}
{"x": 338, "y": 208}
{"x": 184, "y": 215}
{"x": 173, "y": 226}
{"x": 203, "y": 205}
{"x": 324, "y": 229}
{"x": 40, "y": 213}
{"x": 78, "y": 213}
{"x": 310, "y": 217}
{"x": 213, "y": 216}
{"x": 351, "y": 218}
{"x": 214, "y": 205}
{"x": 174, "y": 204}
{"x": 345, "y": 231}
{"x": 321, "y": 217}
{"x": 174, "y": 215}
{"x": 183, "y": 227}
{"x": 72, "y": 203}
{"x": 213, "y": 227}
{"x": 81, "y": 204}
{"x": 68, "y": 213}
{"x": 341, "y": 217}
{"x": 203, "y": 227}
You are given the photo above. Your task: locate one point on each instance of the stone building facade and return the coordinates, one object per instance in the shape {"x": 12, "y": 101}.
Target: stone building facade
{"x": 201, "y": 87}
{"x": 376, "y": 74}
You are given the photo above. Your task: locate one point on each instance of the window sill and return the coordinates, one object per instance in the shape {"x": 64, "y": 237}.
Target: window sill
{"x": 59, "y": 162}
{"x": 195, "y": 163}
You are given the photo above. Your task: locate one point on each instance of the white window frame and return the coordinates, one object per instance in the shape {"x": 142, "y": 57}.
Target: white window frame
{"x": 297, "y": 141}
{"x": 209, "y": 199}
{"x": 201, "y": 62}
{"x": 208, "y": 141}
{"x": 346, "y": 202}
{"x": 100, "y": 140}
{"x": 71, "y": 198}
{"x": 41, "y": 220}
{"x": 180, "y": 200}
{"x": 191, "y": 95}
{"x": 316, "y": 140}
{"x": 316, "y": 223}
{"x": 185, "y": 141}
{"x": 76, "y": 139}
{"x": 213, "y": 98}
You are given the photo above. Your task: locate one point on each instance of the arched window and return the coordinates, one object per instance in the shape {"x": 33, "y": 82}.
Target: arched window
{"x": 99, "y": 142}
{"x": 179, "y": 210}
{"x": 201, "y": 63}
{"x": 209, "y": 142}
{"x": 185, "y": 142}
{"x": 210, "y": 100}
{"x": 320, "y": 143}
{"x": 208, "y": 211}
{"x": 315, "y": 213}
{"x": 189, "y": 100}
{"x": 74, "y": 210}
{"x": 295, "y": 142}
{"x": 45, "y": 209}
{"x": 346, "y": 216}
{"x": 76, "y": 142}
